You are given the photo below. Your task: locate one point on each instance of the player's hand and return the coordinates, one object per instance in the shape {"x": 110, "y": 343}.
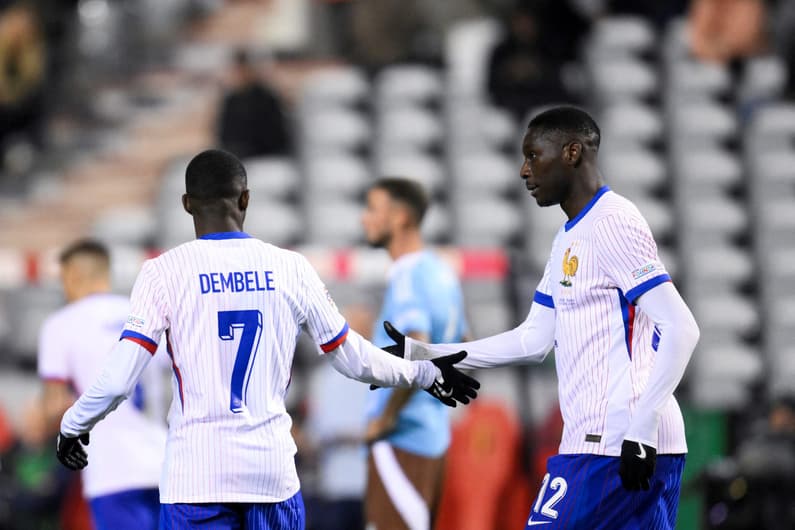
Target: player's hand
{"x": 637, "y": 465}
{"x": 453, "y": 385}
{"x": 70, "y": 451}
{"x": 398, "y": 349}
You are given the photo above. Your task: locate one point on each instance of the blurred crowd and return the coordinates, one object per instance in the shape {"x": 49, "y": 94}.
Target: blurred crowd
{"x": 536, "y": 61}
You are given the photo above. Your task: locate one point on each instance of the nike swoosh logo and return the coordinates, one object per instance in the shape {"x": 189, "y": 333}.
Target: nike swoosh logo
{"x": 642, "y": 454}
{"x": 530, "y": 522}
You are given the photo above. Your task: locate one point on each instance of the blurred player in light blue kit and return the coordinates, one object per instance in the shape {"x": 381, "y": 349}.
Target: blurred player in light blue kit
{"x": 409, "y": 431}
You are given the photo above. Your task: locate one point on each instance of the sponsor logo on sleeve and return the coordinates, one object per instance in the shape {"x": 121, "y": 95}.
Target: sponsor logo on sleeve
{"x": 135, "y": 322}
{"x": 644, "y": 271}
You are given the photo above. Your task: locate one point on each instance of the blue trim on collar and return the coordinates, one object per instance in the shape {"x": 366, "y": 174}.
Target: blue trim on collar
{"x": 226, "y": 235}
{"x": 601, "y": 191}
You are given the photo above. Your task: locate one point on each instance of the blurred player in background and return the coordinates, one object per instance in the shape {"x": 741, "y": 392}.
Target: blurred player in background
{"x": 231, "y": 308}
{"x": 127, "y": 450}
{"x": 622, "y": 337}
{"x": 409, "y": 431}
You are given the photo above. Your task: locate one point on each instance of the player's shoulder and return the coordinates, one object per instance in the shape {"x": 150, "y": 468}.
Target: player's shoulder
{"x": 616, "y": 210}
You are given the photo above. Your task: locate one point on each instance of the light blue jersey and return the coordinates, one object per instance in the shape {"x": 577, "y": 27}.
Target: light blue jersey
{"x": 423, "y": 296}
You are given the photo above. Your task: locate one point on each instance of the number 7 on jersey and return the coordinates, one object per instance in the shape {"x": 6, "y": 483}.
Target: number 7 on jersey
{"x": 250, "y": 320}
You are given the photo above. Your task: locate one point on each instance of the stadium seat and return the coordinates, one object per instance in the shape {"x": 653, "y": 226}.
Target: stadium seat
{"x": 620, "y": 35}
{"x": 407, "y": 128}
{"x": 540, "y": 229}
{"x": 485, "y": 221}
{"x": 467, "y": 48}
{"x": 335, "y": 129}
{"x": 764, "y": 78}
{"x": 436, "y": 224}
{"x": 715, "y": 268}
{"x": 475, "y": 126}
{"x": 407, "y": 84}
{"x": 773, "y": 121}
{"x": 334, "y": 223}
{"x": 424, "y": 168}
{"x": 335, "y": 86}
{"x": 623, "y": 78}
{"x": 702, "y": 119}
{"x": 337, "y": 174}
{"x": 782, "y": 372}
{"x": 125, "y": 261}
{"x": 723, "y": 311}
{"x": 705, "y": 171}
{"x": 274, "y": 222}
{"x": 688, "y": 78}
{"x": 630, "y": 120}
{"x": 658, "y": 214}
{"x": 485, "y": 172}
{"x": 709, "y": 219}
{"x": 274, "y": 177}
{"x": 632, "y": 169}
{"x": 133, "y": 225}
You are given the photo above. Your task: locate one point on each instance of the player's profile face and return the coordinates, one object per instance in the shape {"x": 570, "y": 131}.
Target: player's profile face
{"x": 376, "y": 218}
{"x": 542, "y": 169}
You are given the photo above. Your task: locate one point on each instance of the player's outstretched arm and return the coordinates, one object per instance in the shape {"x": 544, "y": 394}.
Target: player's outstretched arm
{"x": 678, "y": 337}
{"x": 117, "y": 380}
{"x": 359, "y": 359}
{"x": 531, "y": 341}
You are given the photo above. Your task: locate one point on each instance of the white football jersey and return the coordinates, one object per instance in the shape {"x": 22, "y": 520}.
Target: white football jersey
{"x": 231, "y": 308}
{"x": 601, "y": 262}
{"x": 126, "y": 450}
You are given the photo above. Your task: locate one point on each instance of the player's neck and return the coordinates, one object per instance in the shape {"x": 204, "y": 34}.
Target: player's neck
{"x": 405, "y": 243}
{"x": 582, "y": 191}
{"x": 89, "y": 289}
{"x": 214, "y": 226}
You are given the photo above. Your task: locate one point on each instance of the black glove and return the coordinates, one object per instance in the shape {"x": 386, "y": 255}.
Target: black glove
{"x": 637, "y": 465}
{"x": 70, "y": 451}
{"x": 453, "y": 385}
{"x": 398, "y": 349}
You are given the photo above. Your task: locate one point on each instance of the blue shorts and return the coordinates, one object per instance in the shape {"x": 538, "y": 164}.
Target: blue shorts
{"x": 126, "y": 510}
{"x": 285, "y": 515}
{"x": 585, "y": 491}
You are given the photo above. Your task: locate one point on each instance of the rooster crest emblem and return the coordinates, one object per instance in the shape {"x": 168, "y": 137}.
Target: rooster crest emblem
{"x": 569, "y": 268}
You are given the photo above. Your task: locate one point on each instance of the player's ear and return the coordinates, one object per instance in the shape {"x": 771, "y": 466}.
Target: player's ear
{"x": 186, "y": 203}
{"x": 572, "y": 153}
{"x": 242, "y": 201}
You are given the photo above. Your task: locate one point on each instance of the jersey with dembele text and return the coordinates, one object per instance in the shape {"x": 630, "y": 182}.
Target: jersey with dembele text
{"x": 602, "y": 261}
{"x": 230, "y": 308}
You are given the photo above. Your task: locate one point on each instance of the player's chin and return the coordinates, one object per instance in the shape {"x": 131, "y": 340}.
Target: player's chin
{"x": 543, "y": 201}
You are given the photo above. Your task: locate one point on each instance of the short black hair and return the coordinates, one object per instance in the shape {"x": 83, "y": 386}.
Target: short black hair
{"x": 571, "y": 121}
{"x": 214, "y": 174}
{"x": 90, "y": 247}
{"x": 407, "y": 191}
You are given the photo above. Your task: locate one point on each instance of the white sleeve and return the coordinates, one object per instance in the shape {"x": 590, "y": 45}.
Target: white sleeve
{"x": 678, "y": 337}
{"x": 531, "y": 341}
{"x": 627, "y": 254}
{"x": 117, "y": 380}
{"x": 325, "y": 324}
{"x": 359, "y": 359}
{"x": 149, "y": 313}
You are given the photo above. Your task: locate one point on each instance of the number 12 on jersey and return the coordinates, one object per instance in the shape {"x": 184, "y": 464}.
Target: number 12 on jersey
{"x": 250, "y": 320}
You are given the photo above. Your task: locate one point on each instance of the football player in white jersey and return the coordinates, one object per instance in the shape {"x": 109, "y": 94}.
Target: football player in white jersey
{"x": 121, "y": 488}
{"x": 622, "y": 337}
{"x": 231, "y": 308}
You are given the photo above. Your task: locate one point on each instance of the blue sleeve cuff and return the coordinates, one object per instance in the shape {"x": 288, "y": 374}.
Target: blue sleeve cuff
{"x": 544, "y": 299}
{"x": 634, "y": 293}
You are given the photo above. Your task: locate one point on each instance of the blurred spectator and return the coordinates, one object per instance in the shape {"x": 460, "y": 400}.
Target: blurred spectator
{"x": 33, "y": 482}
{"x": 726, "y": 31}
{"x": 22, "y": 76}
{"x": 658, "y": 13}
{"x": 754, "y": 488}
{"x": 525, "y": 67}
{"x": 251, "y": 120}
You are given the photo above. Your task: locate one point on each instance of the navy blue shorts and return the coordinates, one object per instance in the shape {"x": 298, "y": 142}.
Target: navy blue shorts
{"x": 585, "y": 491}
{"x": 126, "y": 510}
{"x": 285, "y": 515}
